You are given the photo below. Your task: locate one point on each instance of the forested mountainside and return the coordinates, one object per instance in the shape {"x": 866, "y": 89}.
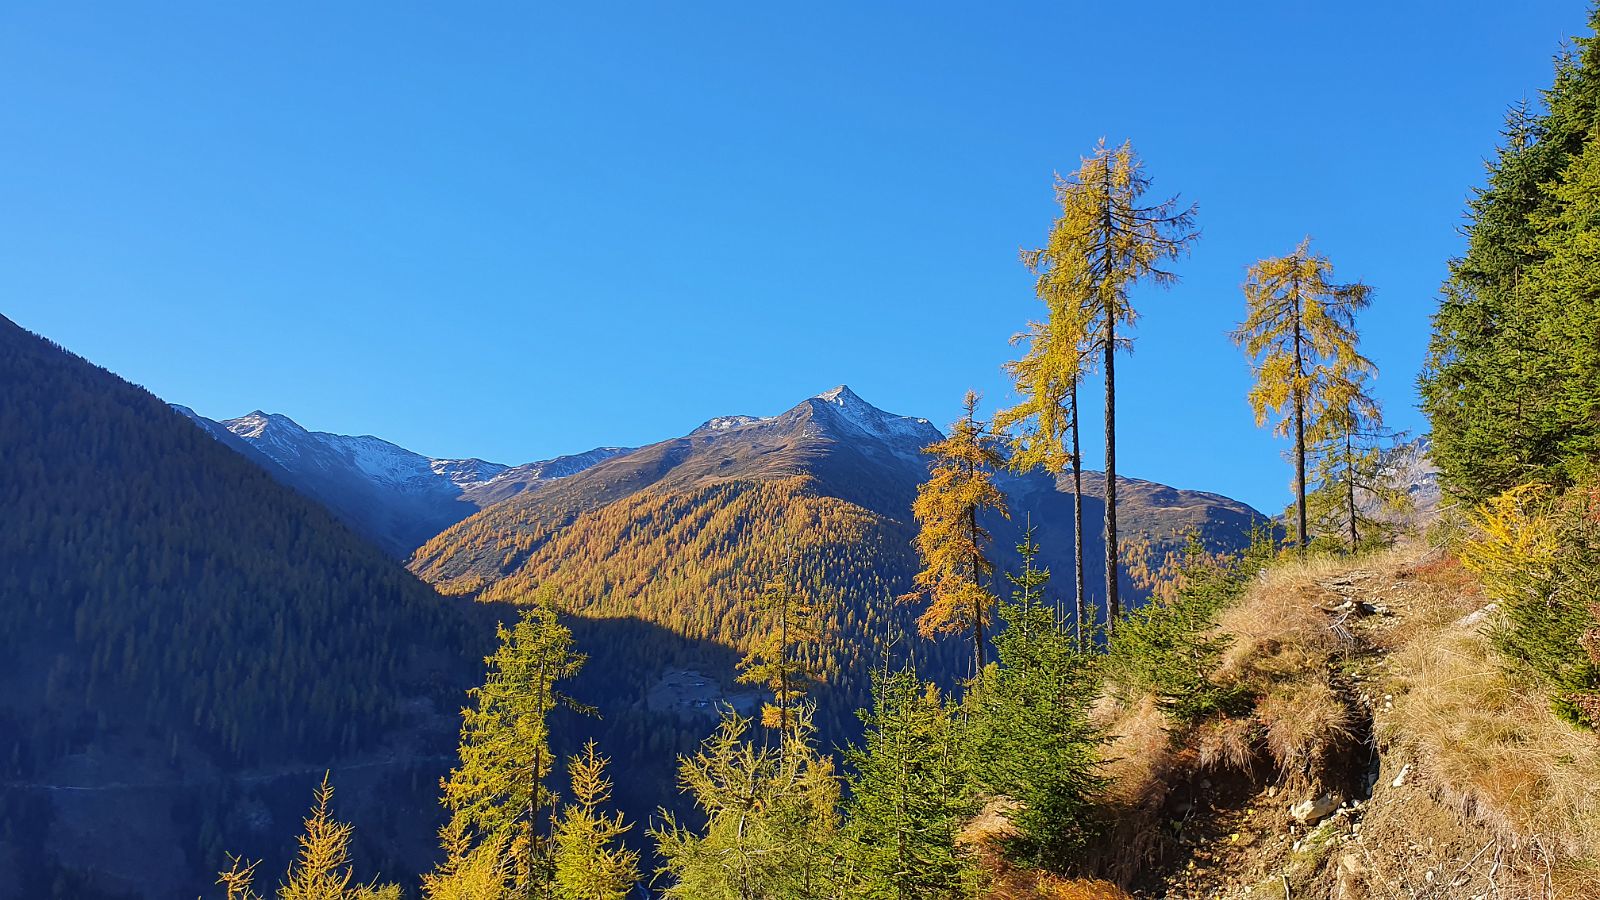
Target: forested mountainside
{"x": 685, "y": 533}
{"x": 395, "y": 497}
{"x": 172, "y": 620}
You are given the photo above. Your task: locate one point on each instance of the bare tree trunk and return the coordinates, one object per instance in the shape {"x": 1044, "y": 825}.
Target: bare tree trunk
{"x": 1077, "y": 519}
{"x": 1299, "y": 425}
{"x": 1350, "y": 486}
{"x": 1300, "y": 467}
{"x": 1113, "y": 604}
{"x": 977, "y": 604}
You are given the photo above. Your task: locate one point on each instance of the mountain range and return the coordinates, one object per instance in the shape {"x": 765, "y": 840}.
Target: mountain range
{"x": 396, "y": 497}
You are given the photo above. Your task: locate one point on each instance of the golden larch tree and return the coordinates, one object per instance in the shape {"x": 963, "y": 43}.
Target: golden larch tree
{"x": 320, "y": 870}
{"x": 776, "y": 659}
{"x": 1300, "y": 334}
{"x": 498, "y": 793}
{"x": 953, "y": 546}
{"x": 1107, "y": 239}
{"x": 590, "y": 862}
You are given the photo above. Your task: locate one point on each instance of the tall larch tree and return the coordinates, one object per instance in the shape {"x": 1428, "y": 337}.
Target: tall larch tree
{"x": 498, "y": 792}
{"x": 1043, "y": 426}
{"x": 1300, "y": 334}
{"x": 794, "y": 620}
{"x": 1107, "y": 239}
{"x": 953, "y": 546}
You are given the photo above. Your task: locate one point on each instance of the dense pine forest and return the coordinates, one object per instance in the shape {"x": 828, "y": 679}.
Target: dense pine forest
{"x": 839, "y": 653}
{"x": 170, "y": 609}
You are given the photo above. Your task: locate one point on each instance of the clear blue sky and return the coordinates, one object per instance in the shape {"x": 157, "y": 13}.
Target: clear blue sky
{"x": 516, "y": 230}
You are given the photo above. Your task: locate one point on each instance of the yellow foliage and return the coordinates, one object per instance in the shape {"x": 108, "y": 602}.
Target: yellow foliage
{"x": 951, "y": 543}
{"x": 1515, "y": 541}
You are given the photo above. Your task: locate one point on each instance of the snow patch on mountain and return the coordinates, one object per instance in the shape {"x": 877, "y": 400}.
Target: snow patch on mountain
{"x": 727, "y": 423}
{"x": 848, "y": 407}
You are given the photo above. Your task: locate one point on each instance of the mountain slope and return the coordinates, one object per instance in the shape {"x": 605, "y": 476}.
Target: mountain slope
{"x": 171, "y": 617}
{"x": 683, "y": 532}
{"x": 395, "y": 497}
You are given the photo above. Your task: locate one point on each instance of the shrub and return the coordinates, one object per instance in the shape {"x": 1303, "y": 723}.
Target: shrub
{"x": 1170, "y": 647}
{"x": 1538, "y": 554}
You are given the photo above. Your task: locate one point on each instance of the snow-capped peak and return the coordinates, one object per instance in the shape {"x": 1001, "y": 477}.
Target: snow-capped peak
{"x": 255, "y": 423}
{"x": 725, "y": 423}
{"x": 843, "y": 396}
{"x": 873, "y": 421}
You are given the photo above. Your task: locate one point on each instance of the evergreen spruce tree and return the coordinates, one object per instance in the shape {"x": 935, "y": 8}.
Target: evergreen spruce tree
{"x": 951, "y": 543}
{"x": 1509, "y": 381}
{"x": 1300, "y": 334}
{"x": 498, "y": 792}
{"x": 589, "y": 862}
{"x": 1564, "y": 306}
{"x": 771, "y": 819}
{"x": 1028, "y": 730}
{"x": 910, "y": 793}
{"x": 1106, "y": 240}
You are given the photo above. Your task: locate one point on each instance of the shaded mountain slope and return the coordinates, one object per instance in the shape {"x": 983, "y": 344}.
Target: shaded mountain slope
{"x": 170, "y": 616}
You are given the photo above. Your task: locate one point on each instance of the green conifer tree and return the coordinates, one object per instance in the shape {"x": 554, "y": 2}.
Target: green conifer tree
{"x": 771, "y": 819}
{"x": 1508, "y": 386}
{"x": 1028, "y": 728}
{"x": 910, "y": 793}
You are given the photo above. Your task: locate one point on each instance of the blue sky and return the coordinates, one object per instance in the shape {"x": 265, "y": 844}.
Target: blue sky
{"x": 517, "y": 230}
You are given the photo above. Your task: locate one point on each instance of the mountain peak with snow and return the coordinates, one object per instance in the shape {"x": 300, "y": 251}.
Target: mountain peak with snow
{"x": 846, "y": 406}
{"x": 843, "y": 396}
{"x": 396, "y": 496}
{"x": 255, "y": 423}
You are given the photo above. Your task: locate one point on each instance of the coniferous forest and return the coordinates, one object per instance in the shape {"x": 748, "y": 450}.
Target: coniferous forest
{"x": 843, "y": 653}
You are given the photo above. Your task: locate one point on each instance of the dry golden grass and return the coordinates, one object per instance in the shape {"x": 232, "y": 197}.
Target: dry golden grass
{"x": 1140, "y": 756}
{"x": 1142, "y": 765}
{"x": 1279, "y": 629}
{"x": 1020, "y": 884}
{"x": 1494, "y": 747}
{"x": 1304, "y": 720}
{"x": 1226, "y": 742}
